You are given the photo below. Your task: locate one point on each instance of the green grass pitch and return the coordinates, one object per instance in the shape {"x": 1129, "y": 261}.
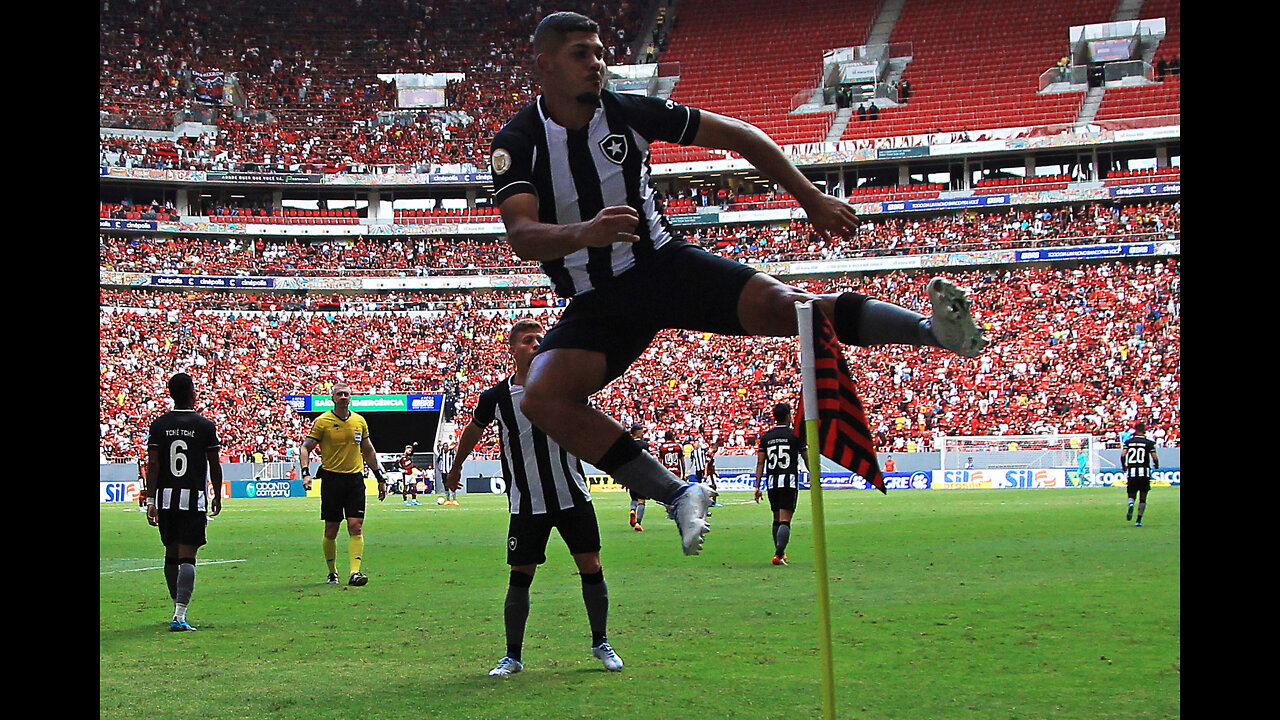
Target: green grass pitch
{"x": 945, "y": 604}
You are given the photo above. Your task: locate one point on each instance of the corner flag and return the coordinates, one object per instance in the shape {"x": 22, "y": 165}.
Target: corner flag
{"x": 844, "y": 436}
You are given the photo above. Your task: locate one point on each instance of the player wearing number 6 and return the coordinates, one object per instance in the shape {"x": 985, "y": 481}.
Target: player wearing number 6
{"x": 182, "y": 453}
{"x": 778, "y": 462}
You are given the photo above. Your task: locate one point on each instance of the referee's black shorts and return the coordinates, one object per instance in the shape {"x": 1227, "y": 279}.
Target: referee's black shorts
{"x": 527, "y": 535}
{"x": 682, "y": 286}
{"x": 341, "y": 495}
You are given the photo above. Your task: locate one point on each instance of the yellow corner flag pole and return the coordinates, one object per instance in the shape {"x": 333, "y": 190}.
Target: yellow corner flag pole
{"x": 809, "y": 392}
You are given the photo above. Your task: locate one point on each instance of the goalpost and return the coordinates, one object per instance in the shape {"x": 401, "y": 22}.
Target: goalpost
{"x": 1077, "y": 455}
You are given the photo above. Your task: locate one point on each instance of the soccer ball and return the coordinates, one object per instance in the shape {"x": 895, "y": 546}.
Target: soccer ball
{"x": 439, "y": 501}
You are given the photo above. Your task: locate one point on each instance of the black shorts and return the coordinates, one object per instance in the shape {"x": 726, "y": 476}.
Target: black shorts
{"x": 1136, "y": 485}
{"x": 527, "y": 535}
{"x": 782, "y": 499}
{"x": 341, "y": 495}
{"x": 182, "y": 527}
{"x": 637, "y": 497}
{"x": 682, "y": 287}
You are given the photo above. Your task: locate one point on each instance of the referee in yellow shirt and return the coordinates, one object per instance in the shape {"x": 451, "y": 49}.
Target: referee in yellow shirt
{"x": 345, "y": 448}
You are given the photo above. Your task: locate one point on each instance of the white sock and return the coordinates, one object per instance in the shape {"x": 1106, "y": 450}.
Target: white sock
{"x": 179, "y": 612}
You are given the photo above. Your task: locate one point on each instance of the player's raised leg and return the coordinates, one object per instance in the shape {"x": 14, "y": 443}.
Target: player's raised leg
{"x": 767, "y": 307}
{"x": 558, "y": 382}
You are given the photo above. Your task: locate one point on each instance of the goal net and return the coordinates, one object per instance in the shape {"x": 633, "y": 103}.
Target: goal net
{"x": 1075, "y": 455}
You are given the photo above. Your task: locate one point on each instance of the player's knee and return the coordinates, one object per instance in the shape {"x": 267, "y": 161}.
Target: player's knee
{"x": 767, "y": 306}
{"x": 588, "y": 563}
{"x": 538, "y": 405}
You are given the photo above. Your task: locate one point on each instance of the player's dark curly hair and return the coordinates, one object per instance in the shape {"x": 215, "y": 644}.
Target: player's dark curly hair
{"x": 554, "y": 27}
{"x": 182, "y": 389}
{"x": 781, "y": 412}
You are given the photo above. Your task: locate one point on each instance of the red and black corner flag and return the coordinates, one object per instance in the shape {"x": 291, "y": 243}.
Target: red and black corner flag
{"x": 843, "y": 434}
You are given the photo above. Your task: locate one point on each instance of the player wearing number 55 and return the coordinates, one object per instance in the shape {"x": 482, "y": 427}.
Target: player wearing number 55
{"x": 547, "y": 489}
{"x": 182, "y": 454}
{"x": 778, "y": 462}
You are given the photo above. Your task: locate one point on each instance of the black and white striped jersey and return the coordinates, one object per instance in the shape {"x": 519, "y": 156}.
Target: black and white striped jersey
{"x": 698, "y": 460}
{"x": 444, "y": 460}
{"x": 1138, "y": 456}
{"x": 781, "y": 450}
{"x": 182, "y": 438}
{"x": 541, "y": 476}
{"x": 574, "y": 174}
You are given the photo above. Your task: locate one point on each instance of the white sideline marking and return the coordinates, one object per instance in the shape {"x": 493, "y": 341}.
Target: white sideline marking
{"x": 161, "y": 567}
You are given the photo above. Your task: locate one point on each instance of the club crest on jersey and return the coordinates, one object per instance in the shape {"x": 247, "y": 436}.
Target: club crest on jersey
{"x": 501, "y": 161}
{"x": 614, "y": 147}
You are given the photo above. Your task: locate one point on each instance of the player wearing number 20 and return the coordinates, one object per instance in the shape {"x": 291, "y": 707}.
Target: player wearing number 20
{"x": 182, "y": 453}
{"x": 1138, "y": 458}
{"x": 778, "y": 462}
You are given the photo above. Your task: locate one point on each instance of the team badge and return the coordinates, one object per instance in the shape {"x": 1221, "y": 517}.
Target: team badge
{"x": 501, "y": 161}
{"x": 614, "y": 147}
{"x": 511, "y": 544}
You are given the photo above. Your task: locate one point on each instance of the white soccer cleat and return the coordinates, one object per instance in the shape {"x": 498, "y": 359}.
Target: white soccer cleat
{"x": 952, "y": 323}
{"x": 606, "y": 655}
{"x": 507, "y": 666}
{"x": 690, "y": 513}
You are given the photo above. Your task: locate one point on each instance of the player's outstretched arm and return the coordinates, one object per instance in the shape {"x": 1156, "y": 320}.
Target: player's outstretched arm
{"x": 828, "y": 215}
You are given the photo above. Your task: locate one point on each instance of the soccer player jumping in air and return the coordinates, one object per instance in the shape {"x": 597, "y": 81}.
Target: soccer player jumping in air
{"x": 571, "y": 176}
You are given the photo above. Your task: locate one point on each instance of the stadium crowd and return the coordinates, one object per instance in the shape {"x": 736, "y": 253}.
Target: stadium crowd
{"x": 401, "y": 256}
{"x": 1074, "y": 350}
{"x": 306, "y": 94}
